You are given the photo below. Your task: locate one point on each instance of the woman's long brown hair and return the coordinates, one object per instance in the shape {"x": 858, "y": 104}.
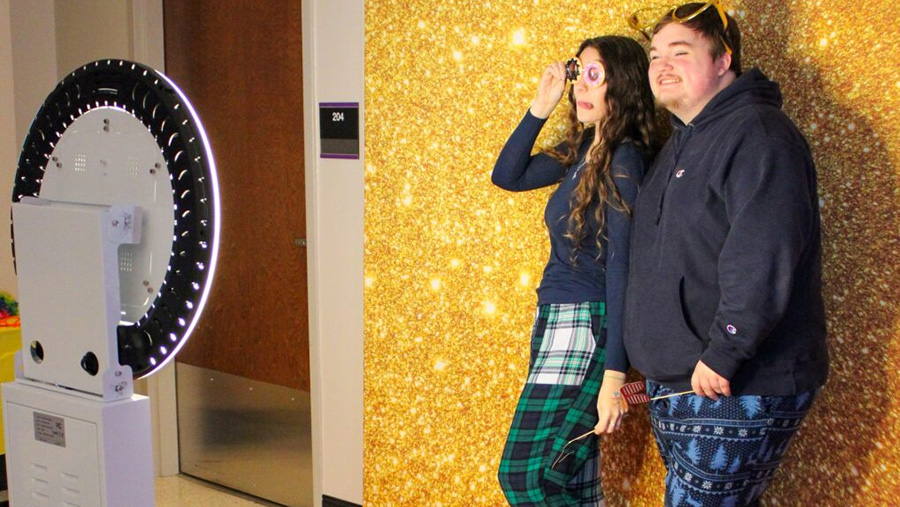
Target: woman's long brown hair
{"x": 630, "y": 117}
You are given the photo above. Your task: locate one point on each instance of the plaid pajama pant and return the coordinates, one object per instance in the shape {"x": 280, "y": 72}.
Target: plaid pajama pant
{"x": 722, "y": 453}
{"x": 558, "y": 403}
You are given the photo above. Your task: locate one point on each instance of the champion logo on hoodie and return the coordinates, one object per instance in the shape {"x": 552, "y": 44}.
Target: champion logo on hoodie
{"x": 679, "y": 173}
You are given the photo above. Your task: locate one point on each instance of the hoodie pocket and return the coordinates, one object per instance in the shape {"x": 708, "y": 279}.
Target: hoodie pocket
{"x": 685, "y": 312}
{"x": 659, "y": 340}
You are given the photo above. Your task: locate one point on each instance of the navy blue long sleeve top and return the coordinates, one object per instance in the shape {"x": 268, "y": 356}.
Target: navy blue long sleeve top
{"x": 594, "y": 275}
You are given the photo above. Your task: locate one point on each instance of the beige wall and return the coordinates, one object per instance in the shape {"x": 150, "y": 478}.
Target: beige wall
{"x": 89, "y": 30}
{"x": 41, "y": 41}
{"x": 26, "y": 80}
{"x": 9, "y": 149}
{"x": 31, "y": 75}
{"x": 34, "y": 66}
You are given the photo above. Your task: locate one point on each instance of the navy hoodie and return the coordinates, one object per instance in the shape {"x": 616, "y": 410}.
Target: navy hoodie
{"x": 726, "y": 251}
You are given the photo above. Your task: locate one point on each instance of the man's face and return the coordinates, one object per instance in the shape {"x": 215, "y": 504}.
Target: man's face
{"x": 683, "y": 75}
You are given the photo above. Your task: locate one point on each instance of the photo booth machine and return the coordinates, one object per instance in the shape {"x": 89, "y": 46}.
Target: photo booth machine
{"x": 115, "y": 225}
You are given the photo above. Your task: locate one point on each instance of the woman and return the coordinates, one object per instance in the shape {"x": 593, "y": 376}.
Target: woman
{"x": 578, "y": 361}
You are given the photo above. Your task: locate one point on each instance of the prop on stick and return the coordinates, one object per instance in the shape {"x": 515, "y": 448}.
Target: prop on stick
{"x": 633, "y": 393}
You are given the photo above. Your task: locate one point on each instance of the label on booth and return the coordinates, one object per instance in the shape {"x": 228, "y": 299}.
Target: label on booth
{"x": 49, "y": 429}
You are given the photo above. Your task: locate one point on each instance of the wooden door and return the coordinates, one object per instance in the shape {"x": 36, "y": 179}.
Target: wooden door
{"x": 240, "y": 64}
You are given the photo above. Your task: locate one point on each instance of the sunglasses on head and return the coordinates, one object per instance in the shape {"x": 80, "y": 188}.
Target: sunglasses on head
{"x": 645, "y": 20}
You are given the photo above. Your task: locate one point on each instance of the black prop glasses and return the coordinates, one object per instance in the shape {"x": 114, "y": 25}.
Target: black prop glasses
{"x": 594, "y": 74}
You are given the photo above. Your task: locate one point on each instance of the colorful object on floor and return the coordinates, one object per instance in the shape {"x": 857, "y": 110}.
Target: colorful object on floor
{"x": 10, "y": 343}
{"x": 9, "y": 308}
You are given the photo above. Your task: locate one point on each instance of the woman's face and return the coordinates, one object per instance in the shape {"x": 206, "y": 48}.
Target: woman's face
{"x": 590, "y": 102}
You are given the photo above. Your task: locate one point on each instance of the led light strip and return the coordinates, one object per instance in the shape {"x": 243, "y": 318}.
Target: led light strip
{"x": 163, "y": 109}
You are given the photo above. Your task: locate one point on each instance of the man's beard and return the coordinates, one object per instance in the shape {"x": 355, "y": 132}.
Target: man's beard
{"x": 671, "y": 104}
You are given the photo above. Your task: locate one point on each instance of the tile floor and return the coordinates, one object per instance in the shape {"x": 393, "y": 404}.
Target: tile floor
{"x": 185, "y": 491}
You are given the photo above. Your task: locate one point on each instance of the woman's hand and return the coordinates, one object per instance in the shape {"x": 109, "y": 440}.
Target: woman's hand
{"x": 610, "y": 404}
{"x": 550, "y": 90}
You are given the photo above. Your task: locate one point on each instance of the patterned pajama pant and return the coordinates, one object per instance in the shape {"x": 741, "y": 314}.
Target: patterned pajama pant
{"x": 558, "y": 403}
{"x": 722, "y": 453}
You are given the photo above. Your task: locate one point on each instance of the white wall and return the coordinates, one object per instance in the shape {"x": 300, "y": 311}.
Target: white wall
{"x": 333, "y": 71}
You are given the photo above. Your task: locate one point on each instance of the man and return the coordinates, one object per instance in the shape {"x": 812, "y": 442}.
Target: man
{"x": 724, "y": 296}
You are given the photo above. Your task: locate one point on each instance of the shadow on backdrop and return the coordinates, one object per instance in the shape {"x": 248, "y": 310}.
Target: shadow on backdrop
{"x": 828, "y": 463}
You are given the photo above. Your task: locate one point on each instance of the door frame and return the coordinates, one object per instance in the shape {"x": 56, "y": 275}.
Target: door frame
{"x": 334, "y": 71}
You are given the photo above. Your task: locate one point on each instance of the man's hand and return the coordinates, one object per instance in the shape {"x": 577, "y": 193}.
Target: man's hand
{"x": 708, "y": 383}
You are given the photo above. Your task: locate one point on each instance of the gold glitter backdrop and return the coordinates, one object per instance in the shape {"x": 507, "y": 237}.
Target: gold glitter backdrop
{"x": 451, "y": 262}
